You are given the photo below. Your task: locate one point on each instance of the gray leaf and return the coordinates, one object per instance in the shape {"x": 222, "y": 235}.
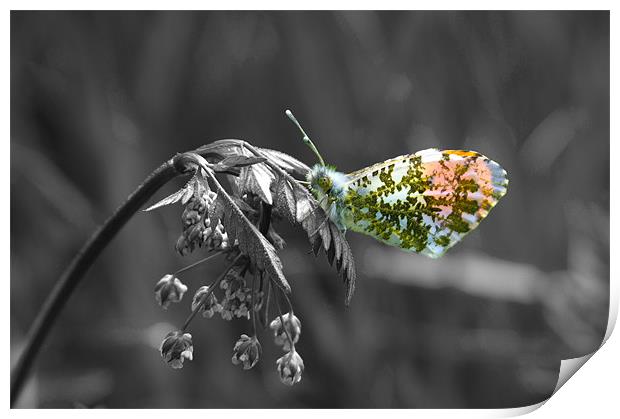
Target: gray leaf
{"x": 286, "y": 162}
{"x": 237, "y": 161}
{"x": 171, "y": 199}
{"x": 251, "y": 242}
{"x": 216, "y": 212}
{"x": 322, "y": 231}
{"x": 257, "y": 179}
{"x": 304, "y": 203}
{"x": 188, "y": 192}
{"x": 285, "y": 199}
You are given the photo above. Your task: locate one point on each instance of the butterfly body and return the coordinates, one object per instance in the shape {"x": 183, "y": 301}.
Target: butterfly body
{"x": 424, "y": 202}
{"x": 330, "y": 188}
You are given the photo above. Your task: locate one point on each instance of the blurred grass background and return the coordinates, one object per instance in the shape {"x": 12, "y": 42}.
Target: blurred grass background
{"x": 100, "y": 99}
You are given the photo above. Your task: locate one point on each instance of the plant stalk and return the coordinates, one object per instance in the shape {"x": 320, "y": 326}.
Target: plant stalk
{"x": 200, "y": 262}
{"x": 80, "y": 264}
{"x": 88, "y": 254}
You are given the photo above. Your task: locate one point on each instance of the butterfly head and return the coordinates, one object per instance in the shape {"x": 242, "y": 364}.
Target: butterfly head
{"x": 326, "y": 180}
{"x": 329, "y": 188}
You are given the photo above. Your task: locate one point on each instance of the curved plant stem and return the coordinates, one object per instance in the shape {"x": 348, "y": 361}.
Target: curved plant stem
{"x": 290, "y": 305}
{"x": 265, "y": 317}
{"x": 265, "y": 218}
{"x": 201, "y": 261}
{"x": 288, "y": 336}
{"x": 252, "y": 302}
{"x": 71, "y": 277}
{"x": 263, "y": 226}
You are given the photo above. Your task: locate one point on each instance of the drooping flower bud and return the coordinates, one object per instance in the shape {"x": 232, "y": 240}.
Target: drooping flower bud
{"x": 210, "y": 306}
{"x": 169, "y": 290}
{"x": 292, "y": 326}
{"x": 290, "y": 367}
{"x": 246, "y": 351}
{"x": 176, "y": 347}
{"x": 259, "y": 299}
{"x": 183, "y": 246}
{"x": 194, "y": 232}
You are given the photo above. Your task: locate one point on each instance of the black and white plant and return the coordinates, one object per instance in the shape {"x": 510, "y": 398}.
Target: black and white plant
{"x": 236, "y": 219}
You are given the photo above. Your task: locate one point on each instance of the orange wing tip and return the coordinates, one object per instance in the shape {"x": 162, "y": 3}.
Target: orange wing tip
{"x": 462, "y": 153}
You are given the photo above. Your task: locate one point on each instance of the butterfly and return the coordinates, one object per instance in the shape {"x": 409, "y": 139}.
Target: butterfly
{"x": 424, "y": 202}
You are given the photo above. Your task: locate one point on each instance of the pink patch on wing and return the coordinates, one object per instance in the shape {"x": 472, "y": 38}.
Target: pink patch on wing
{"x": 462, "y": 176}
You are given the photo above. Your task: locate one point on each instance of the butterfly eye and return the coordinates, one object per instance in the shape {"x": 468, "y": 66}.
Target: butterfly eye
{"x": 325, "y": 183}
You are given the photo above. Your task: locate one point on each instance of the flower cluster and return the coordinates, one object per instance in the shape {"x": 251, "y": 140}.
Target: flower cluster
{"x": 239, "y": 292}
{"x": 197, "y": 228}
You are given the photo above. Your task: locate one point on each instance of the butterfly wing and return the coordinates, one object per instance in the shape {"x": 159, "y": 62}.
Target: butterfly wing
{"x": 424, "y": 202}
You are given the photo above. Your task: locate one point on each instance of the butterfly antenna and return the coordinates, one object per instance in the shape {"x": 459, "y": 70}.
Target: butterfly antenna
{"x": 305, "y": 138}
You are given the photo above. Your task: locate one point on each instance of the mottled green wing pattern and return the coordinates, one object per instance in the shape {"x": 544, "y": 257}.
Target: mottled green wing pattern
{"x": 424, "y": 202}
